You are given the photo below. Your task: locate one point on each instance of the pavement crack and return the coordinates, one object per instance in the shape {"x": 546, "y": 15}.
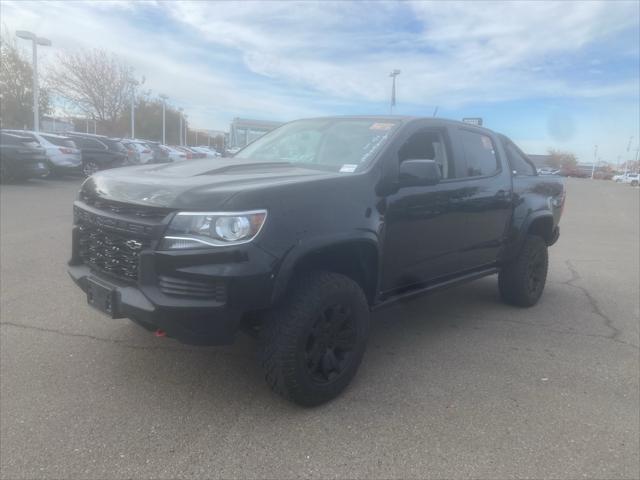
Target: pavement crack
{"x": 615, "y": 332}
{"x": 121, "y": 343}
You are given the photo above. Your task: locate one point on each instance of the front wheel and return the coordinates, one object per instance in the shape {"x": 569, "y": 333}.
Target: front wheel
{"x": 313, "y": 343}
{"x": 522, "y": 280}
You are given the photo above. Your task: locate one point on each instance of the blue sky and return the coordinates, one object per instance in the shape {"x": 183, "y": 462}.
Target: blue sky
{"x": 548, "y": 74}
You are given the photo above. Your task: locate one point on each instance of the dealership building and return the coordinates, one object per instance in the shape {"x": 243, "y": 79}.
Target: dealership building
{"x": 243, "y": 131}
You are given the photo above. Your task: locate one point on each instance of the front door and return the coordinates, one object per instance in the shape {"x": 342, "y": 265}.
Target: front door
{"x": 424, "y": 226}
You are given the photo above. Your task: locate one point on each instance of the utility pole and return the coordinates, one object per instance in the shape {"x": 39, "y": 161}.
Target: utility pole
{"x": 393, "y": 75}
{"x": 181, "y": 131}
{"x": 163, "y": 97}
{"x": 595, "y": 156}
{"x": 35, "y": 40}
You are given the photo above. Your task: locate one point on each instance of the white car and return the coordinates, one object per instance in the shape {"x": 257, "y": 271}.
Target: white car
{"x": 632, "y": 179}
{"x": 619, "y": 178}
{"x": 63, "y": 157}
{"x": 175, "y": 155}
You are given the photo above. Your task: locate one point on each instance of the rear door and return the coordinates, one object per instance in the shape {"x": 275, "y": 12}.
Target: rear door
{"x": 488, "y": 202}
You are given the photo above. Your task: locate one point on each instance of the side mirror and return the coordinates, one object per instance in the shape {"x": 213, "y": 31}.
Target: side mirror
{"x": 414, "y": 173}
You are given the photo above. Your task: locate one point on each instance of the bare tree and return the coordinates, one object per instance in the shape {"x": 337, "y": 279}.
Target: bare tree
{"x": 96, "y": 83}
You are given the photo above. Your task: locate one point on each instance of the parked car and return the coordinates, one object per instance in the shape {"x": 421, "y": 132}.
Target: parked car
{"x": 174, "y": 154}
{"x": 186, "y": 151}
{"x": 309, "y": 228}
{"x": 548, "y": 171}
{"x": 99, "y": 152}
{"x": 632, "y": 179}
{"x": 144, "y": 149}
{"x": 63, "y": 157}
{"x": 195, "y": 154}
{"x": 21, "y": 158}
{"x": 158, "y": 153}
{"x": 207, "y": 152}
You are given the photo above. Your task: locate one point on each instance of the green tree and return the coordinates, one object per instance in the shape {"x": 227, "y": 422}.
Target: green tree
{"x": 16, "y": 87}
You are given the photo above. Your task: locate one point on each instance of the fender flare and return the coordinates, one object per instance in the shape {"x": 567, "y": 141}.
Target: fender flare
{"x": 308, "y": 246}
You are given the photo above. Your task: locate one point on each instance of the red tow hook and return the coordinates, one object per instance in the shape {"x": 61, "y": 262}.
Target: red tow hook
{"x": 160, "y": 333}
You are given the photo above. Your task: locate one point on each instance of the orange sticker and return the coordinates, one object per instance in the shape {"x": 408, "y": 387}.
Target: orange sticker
{"x": 381, "y": 126}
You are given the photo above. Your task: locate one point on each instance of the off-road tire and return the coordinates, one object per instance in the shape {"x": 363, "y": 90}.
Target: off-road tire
{"x": 288, "y": 329}
{"x": 522, "y": 280}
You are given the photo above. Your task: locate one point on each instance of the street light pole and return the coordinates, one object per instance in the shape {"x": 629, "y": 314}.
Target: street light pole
{"x": 186, "y": 131}
{"x": 595, "y": 156}
{"x": 393, "y": 75}
{"x": 163, "y": 97}
{"x": 35, "y": 40}
{"x": 133, "y": 108}
{"x": 181, "y": 131}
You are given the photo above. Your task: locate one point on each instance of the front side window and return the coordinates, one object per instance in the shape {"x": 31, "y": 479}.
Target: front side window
{"x": 480, "y": 157}
{"x": 427, "y": 145}
{"x": 334, "y": 144}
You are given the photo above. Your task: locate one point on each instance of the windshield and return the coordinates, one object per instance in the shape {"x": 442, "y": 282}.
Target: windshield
{"x": 340, "y": 144}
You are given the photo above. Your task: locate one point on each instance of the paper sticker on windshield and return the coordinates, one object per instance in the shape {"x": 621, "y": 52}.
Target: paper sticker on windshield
{"x": 381, "y": 126}
{"x": 348, "y": 168}
{"x": 486, "y": 143}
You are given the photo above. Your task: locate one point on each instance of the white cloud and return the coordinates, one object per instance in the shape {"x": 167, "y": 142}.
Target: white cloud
{"x": 285, "y": 60}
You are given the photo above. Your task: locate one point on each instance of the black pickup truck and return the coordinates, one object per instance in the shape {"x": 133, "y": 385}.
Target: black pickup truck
{"x": 306, "y": 230}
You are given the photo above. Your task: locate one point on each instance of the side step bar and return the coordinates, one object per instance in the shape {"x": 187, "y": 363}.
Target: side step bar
{"x": 453, "y": 282}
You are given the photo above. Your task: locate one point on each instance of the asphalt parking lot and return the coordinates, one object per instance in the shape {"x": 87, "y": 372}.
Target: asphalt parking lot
{"x": 456, "y": 385}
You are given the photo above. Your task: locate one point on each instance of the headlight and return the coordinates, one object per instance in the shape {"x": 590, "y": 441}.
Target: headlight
{"x": 201, "y": 229}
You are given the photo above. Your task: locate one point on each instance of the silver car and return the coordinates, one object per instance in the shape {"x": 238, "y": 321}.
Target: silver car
{"x": 63, "y": 157}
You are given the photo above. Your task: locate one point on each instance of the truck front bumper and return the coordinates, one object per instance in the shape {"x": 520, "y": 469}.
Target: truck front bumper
{"x": 171, "y": 293}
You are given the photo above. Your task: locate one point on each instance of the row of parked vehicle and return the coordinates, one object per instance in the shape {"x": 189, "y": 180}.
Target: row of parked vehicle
{"x": 629, "y": 178}
{"x": 28, "y": 154}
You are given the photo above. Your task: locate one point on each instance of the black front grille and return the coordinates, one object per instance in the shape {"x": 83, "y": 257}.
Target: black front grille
{"x": 128, "y": 209}
{"x": 204, "y": 289}
{"x": 110, "y": 252}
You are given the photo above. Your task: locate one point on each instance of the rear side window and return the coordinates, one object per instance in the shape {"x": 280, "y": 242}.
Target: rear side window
{"x": 518, "y": 162}
{"x": 115, "y": 146}
{"x": 60, "y": 141}
{"x": 88, "y": 143}
{"x": 480, "y": 157}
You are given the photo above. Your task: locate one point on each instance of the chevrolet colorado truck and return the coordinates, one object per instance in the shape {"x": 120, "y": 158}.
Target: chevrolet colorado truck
{"x": 305, "y": 231}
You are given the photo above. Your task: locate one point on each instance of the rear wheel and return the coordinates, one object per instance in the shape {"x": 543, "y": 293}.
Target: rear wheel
{"x": 634, "y": 183}
{"x": 313, "y": 344}
{"x": 522, "y": 280}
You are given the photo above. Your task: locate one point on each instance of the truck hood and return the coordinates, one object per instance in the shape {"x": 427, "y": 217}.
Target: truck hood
{"x": 206, "y": 183}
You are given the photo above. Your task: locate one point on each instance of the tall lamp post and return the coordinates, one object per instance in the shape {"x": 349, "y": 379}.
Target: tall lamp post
{"x": 163, "y": 97}
{"x": 393, "y": 75}
{"x": 35, "y": 40}
{"x": 186, "y": 131}
{"x": 181, "y": 131}
{"x": 595, "y": 157}
{"x": 133, "y": 84}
